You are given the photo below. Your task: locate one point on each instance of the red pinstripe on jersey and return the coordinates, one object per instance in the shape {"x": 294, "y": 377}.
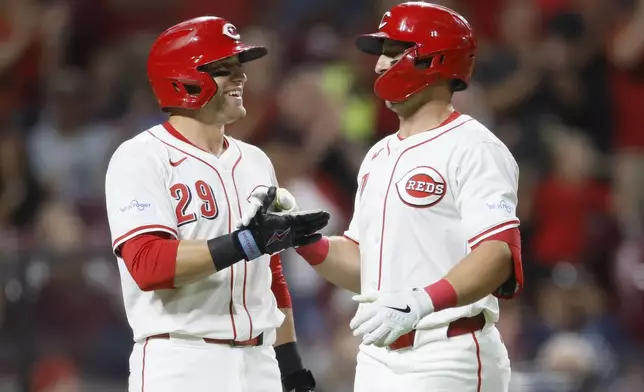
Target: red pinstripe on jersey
{"x": 174, "y": 132}
{"x": 393, "y": 171}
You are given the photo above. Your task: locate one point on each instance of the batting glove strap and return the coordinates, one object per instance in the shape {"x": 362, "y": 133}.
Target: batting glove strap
{"x": 248, "y": 244}
{"x": 225, "y": 251}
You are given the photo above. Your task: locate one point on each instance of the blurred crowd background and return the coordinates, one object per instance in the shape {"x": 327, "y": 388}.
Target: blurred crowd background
{"x": 561, "y": 82}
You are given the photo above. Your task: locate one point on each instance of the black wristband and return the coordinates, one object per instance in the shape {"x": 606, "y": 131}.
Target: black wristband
{"x": 288, "y": 358}
{"x": 225, "y": 251}
{"x": 294, "y": 375}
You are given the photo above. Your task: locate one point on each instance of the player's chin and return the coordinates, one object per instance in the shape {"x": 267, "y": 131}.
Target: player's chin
{"x": 396, "y": 107}
{"x": 235, "y": 112}
{"x": 407, "y": 107}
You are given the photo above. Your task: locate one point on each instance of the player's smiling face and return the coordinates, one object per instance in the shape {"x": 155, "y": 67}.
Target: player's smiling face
{"x": 230, "y": 78}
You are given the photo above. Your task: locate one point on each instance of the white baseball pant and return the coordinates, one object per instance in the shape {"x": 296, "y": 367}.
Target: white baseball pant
{"x": 190, "y": 364}
{"x": 473, "y": 362}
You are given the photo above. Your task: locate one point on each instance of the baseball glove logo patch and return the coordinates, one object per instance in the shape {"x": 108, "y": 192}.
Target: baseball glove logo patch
{"x": 423, "y": 186}
{"x": 278, "y": 236}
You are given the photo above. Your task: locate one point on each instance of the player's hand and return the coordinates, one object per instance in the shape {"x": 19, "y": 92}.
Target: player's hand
{"x": 301, "y": 381}
{"x": 272, "y": 232}
{"x": 282, "y": 202}
{"x": 384, "y": 317}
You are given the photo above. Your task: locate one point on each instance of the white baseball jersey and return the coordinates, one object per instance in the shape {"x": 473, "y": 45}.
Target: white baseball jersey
{"x": 159, "y": 182}
{"x": 424, "y": 201}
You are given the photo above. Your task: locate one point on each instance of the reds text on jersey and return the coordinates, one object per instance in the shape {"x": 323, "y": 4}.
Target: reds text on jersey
{"x": 159, "y": 181}
{"x": 424, "y": 201}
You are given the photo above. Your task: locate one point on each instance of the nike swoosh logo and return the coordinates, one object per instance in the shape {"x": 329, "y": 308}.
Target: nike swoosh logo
{"x": 384, "y": 20}
{"x": 406, "y": 310}
{"x": 177, "y": 163}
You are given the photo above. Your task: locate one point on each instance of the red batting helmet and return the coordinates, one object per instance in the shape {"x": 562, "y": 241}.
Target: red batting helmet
{"x": 179, "y": 52}
{"x": 443, "y": 46}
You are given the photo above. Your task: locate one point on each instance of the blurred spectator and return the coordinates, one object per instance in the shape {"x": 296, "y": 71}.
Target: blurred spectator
{"x": 626, "y": 52}
{"x": 629, "y": 277}
{"x": 141, "y": 112}
{"x": 510, "y": 74}
{"x": 106, "y": 71}
{"x": 574, "y": 359}
{"x": 576, "y": 74}
{"x": 511, "y": 327}
{"x": 131, "y": 107}
{"x": 241, "y": 12}
{"x": 60, "y": 229}
{"x": 20, "y": 194}
{"x": 55, "y": 374}
{"x": 472, "y": 102}
{"x": 20, "y": 50}
{"x": 568, "y": 201}
{"x": 68, "y": 154}
{"x": 338, "y": 370}
{"x": 633, "y": 379}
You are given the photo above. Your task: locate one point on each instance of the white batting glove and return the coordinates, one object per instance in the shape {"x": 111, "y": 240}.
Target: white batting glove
{"x": 284, "y": 202}
{"x": 385, "y": 317}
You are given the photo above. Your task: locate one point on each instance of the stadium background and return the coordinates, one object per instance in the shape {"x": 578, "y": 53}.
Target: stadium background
{"x": 561, "y": 82}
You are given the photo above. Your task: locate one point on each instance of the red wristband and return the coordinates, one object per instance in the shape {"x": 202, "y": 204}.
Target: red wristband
{"x": 443, "y": 295}
{"x": 315, "y": 253}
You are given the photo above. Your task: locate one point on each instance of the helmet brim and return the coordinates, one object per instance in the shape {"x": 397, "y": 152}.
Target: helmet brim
{"x": 372, "y": 43}
{"x": 248, "y": 53}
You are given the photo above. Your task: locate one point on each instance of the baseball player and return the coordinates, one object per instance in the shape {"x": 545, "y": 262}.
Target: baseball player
{"x": 198, "y": 247}
{"x": 434, "y": 238}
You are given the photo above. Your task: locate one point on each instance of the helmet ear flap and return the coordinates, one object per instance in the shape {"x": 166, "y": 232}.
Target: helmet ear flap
{"x": 192, "y": 89}
{"x": 422, "y": 63}
{"x": 405, "y": 77}
{"x": 185, "y": 91}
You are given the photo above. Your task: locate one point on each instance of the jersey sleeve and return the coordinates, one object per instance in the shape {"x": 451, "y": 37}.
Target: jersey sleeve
{"x": 353, "y": 232}
{"x": 486, "y": 191}
{"x": 137, "y": 196}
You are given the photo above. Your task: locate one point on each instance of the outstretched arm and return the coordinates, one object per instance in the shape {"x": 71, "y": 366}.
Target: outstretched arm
{"x": 336, "y": 259}
{"x": 157, "y": 263}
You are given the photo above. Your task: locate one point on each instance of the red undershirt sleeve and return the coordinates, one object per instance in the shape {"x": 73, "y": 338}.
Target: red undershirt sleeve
{"x": 279, "y": 286}
{"x": 514, "y": 285}
{"x": 151, "y": 259}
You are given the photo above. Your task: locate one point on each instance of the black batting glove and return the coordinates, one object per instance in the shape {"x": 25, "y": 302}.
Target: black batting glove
{"x": 295, "y": 377}
{"x": 272, "y": 232}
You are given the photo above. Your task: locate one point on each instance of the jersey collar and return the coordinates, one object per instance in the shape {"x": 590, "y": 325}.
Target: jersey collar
{"x": 173, "y": 131}
{"x": 451, "y": 118}
{"x": 171, "y": 137}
